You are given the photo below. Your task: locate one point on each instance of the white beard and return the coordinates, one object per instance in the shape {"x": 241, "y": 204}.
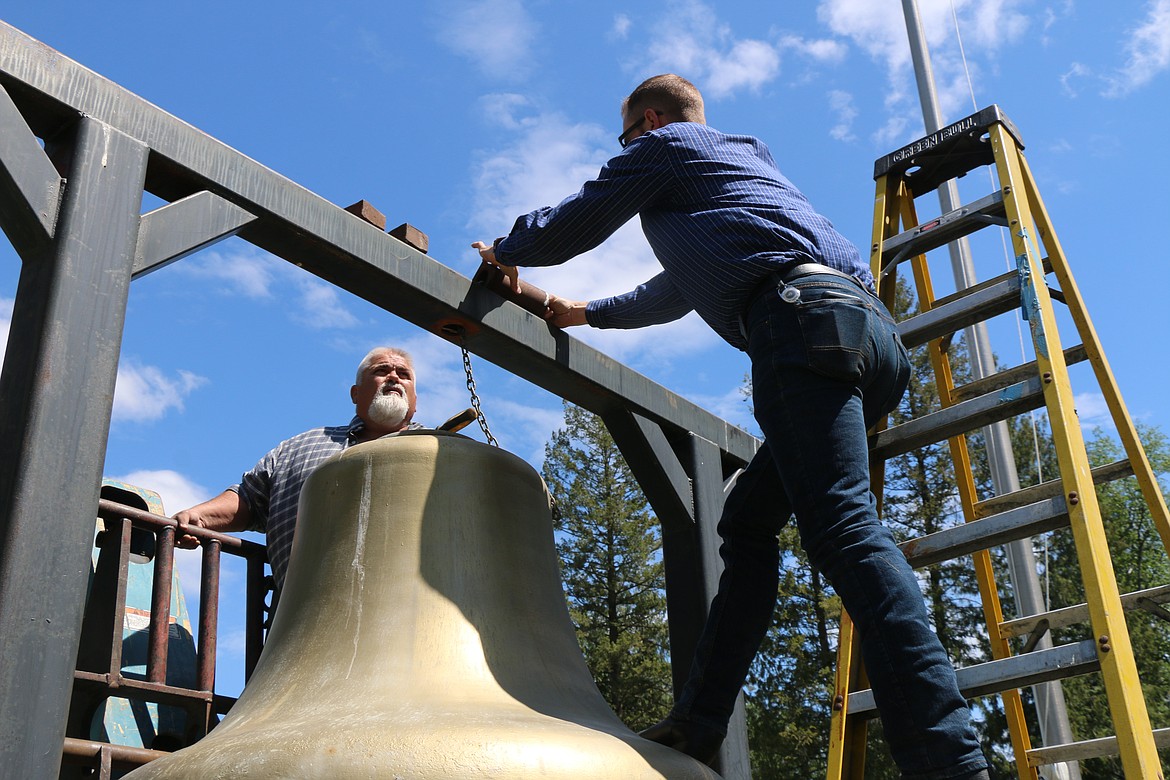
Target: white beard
{"x": 388, "y": 409}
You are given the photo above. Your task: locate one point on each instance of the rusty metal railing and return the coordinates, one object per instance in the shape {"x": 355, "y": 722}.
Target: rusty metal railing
{"x": 99, "y": 674}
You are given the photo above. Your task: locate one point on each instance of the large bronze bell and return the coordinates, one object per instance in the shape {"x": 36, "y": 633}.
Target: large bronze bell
{"x": 422, "y": 633}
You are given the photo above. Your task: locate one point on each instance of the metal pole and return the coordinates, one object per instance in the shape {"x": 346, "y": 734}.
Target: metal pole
{"x": 1029, "y": 596}
{"x": 56, "y": 396}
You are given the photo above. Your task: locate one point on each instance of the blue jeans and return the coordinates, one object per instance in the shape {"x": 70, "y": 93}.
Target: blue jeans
{"x": 825, "y": 369}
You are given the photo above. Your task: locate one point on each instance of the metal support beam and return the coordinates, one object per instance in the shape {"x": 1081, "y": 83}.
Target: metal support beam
{"x": 177, "y": 229}
{"x": 656, "y": 467}
{"x": 30, "y": 187}
{"x": 56, "y": 396}
{"x": 708, "y": 480}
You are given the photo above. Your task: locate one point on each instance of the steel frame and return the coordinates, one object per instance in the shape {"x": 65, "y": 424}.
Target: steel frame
{"x": 72, "y": 212}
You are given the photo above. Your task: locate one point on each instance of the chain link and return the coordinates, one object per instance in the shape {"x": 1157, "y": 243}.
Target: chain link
{"x": 475, "y": 398}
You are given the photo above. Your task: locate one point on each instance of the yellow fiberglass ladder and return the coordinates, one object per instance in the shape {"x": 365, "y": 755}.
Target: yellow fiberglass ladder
{"x": 988, "y": 138}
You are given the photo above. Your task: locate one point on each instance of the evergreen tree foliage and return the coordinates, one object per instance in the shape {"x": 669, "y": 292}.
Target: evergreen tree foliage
{"x": 609, "y": 545}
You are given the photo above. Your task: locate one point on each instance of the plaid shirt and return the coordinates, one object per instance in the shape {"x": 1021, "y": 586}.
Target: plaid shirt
{"x": 717, "y": 212}
{"x": 272, "y": 489}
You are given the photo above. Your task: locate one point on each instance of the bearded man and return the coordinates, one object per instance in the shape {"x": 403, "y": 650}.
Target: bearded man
{"x": 266, "y": 498}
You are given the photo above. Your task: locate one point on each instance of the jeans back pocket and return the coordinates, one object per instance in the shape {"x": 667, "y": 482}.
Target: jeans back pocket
{"x": 836, "y": 334}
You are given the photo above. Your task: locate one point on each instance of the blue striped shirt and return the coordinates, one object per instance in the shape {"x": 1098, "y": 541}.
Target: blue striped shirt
{"x": 272, "y": 489}
{"x": 715, "y": 209}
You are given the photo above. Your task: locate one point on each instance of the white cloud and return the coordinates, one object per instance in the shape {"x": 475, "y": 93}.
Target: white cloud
{"x": 820, "y": 50}
{"x": 320, "y": 305}
{"x": 177, "y": 491}
{"x": 1093, "y": 412}
{"x": 841, "y": 104}
{"x": 1068, "y": 80}
{"x": 505, "y": 109}
{"x": 141, "y": 394}
{"x": 250, "y": 272}
{"x": 872, "y": 26}
{"x": 145, "y": 393}
{"x": 1147, "y": 51}
{"x": 495, "y": 35}
{"x": 692, "y": 41}
{"x": 529, "y": 428}
{"x": 881, "y": 33}
{"x": 987, "y": 24}
{"x": 245, "y": 271}
{"x": 748, "y": 64}
{"x": 621, "y": 27}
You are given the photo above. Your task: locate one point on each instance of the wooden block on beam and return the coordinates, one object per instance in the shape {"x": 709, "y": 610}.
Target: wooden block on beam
{"x": 409, "y": 234}
{"x": 367, "y": 212}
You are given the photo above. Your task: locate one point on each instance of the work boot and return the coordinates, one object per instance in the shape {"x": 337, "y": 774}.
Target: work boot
{"x": 698, "y": 742}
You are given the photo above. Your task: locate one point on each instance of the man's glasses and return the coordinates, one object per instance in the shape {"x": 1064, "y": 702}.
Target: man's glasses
{"x": 624, "y": 138}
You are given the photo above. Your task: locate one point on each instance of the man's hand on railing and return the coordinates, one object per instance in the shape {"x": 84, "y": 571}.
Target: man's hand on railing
{"x": 225, "y": 512}
{"x": 185, "y": 519}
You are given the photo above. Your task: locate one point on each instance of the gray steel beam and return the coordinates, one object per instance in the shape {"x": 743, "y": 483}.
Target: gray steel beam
{"x": 708, "y": 479}
{"x": 178, "y": 229}
{"x": 301, "y": 227}
{"x": 30, "y": 187}
{"x": 656, "y": 467}
{"x": 56, "y": 395}
{"x": 693, "y": 505}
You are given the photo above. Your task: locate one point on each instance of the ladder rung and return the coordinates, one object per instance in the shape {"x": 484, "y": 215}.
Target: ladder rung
{"x": 960, "y": 418}
{"x": 1079, "y": 613}
{"x": 1017, "y": 671}
{"x": 977, "y": 304}
{"x": 1072, "y": 356}
{"x": 964, "y": 539}
{"x": 1108, "y": 473}
{"x": 953, "y": 225}
{"x": 959, "y": 295}
{"x": 1090, "y": 748}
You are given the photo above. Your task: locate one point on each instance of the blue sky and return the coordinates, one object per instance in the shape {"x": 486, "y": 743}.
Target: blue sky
{"x": 458, "y": 115}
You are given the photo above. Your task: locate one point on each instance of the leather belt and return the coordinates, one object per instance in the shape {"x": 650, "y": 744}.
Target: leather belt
{"x": 792, "y": 272}
{"x": 807, "y": 269}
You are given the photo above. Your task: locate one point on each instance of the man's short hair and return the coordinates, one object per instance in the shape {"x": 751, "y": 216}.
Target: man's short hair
{"x": 368, "y": 360}
{"x": 669, "y": 93}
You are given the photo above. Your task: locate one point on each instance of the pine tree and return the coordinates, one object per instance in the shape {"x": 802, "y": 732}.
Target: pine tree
{"x": 609, "y": 545}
